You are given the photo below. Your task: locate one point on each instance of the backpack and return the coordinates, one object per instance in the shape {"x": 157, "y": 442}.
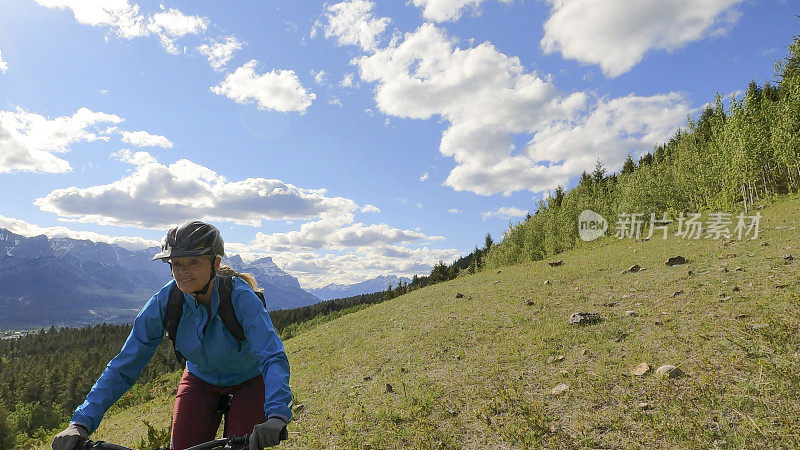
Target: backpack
{"x": 175, "y": 310}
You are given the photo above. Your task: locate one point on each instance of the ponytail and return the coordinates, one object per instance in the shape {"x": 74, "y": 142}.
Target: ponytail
{"x": 249, "y": 279}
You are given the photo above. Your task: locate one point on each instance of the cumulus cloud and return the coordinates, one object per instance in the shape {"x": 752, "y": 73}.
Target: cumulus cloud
{"x": 172, "y": 24}
{"x": 319, "y": 76}
{"x": 335, "y": 101}
{"x": 370, "y": 209}
{"x": 490, "y": 100}
{"x": 446, "y": 10}
{"x": 336, "y": 232}
{"x": 347, "y": 80}
{"x": 315, "y": 270}
{"x": 219, "y": 53}
{"x": 29, "y": 141}
{"x": 424, "y": 177}
{"x": 27, "y": 229}
{"x": 157, "y": 196}
{"x": 454, "y": 211}
{"x": 616, "y": 34}
{"x": 120, "y": 16}
{"x": 505, "y": 212}
{"x": 279, "y": 91}
{"x": 352, "y": 23}
{"x": 124, "y": 20}
{"x": 145, "y": 139}
{"x": 3, "y": 64}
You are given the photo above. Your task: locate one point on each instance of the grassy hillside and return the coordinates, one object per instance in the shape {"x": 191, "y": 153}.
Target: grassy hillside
{"x": 478, "y": 371}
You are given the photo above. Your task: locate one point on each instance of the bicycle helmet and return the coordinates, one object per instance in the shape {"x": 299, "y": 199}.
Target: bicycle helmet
{"x": 193, "y": 238}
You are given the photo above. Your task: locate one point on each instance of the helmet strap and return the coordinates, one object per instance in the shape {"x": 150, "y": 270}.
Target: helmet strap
{"x": 208, "y": 283}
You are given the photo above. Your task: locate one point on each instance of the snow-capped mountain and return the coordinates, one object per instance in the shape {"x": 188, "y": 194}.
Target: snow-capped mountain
{"x": 376, "y": 284}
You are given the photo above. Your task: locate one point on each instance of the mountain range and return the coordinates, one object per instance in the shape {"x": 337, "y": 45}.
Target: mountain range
{"x": 70, "y": 282}
{"x": 376, "y": 284}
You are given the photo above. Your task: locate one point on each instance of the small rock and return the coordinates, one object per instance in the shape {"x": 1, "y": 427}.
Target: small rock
{"x": 389, "y": 388}
{"x": 644, "y": 405}
{"x": 555, "y": 358}
{"x": 585, "y": 352}
{"x": 529, "y": 302}
{"x": 759, "y": 326}
{"x": 452, "y": 412}
{"x": 640, "y": 370}
{"x": 367, "y": 378}
{"x": 658, "y": 322}
{"x": 555, "y": 427}
{"x": 499, "y": 271}
{"x": 723, "y": 269}
{"x": 621, "y": 337}
{"x": 740, "y": 316}
{"x": 765, "y": 244}
{"x": 581, "y": 318}
{"x": 736, "y": 289}
{"x": 689, "y": 272}
{"x": 728, "y": 255}
{"x": 495, "y": 282}
{"x": 668, "y": 371}
{"x": 739, "y": 269}
{"x": 547, "y": 282}
{"x": 675, "y": 260}
{"x": 610, "y": 304}
{"x": 563, "y": 372}
{"x": 459, "y": 295}
{"x": 555, "y": 263}
{"x": 725, "y": 299}
{"x": 788, "y": 257}
{"x": 677, "y": 293}
{"x": 298, "y": 408}
{"x": 633, "y": 268}
{"x": 631, "y": 313}
{"x": 575, "y": 288}
{"x": 559, "y": 389}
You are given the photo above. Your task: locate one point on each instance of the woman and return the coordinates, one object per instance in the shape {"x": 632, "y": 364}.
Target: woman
{"x": 255, "y": 370}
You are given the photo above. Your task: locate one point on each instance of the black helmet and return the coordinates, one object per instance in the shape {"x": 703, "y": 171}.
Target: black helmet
{"x": 191, "y": 239}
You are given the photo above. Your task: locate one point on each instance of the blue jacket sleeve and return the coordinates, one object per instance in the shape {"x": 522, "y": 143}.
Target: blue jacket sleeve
{"x": 267, "y": 345}
{"x": 124, "y": 369}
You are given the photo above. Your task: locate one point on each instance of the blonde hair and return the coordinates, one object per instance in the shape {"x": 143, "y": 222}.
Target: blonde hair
{"x": 248, "y": 278}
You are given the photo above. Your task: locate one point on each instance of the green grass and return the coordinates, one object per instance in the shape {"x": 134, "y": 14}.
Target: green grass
{"x": 473, "y": 372}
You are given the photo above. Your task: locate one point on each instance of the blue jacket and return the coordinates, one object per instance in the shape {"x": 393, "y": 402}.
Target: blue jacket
{"x": 213, "y": 356}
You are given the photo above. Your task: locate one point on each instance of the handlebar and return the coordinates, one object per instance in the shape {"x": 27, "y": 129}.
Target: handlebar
{"x": 233, "y": 442}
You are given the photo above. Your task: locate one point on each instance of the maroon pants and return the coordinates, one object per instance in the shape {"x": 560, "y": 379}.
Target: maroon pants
{"x": 195, "y": 419}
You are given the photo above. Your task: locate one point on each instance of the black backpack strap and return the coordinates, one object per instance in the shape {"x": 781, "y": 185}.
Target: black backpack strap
{"x": 226, "y": 312}
{"x": 172, "y": 318}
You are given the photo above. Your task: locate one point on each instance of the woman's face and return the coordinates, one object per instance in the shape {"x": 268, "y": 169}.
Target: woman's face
{"x": 191, "y": 273}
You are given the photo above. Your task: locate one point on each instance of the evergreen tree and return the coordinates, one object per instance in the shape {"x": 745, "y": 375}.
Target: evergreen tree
{"x": 628, "y": 166}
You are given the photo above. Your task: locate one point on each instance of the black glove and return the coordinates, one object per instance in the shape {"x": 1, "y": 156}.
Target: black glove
{"x": 70, "y": 438}
{"x": 268, "y": 434}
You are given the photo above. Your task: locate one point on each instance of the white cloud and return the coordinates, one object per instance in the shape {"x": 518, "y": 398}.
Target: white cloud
{"x": 120, "y": 16}
{"x": 29, "y": 141}
{"x": 370, "y": 209}
{"x": 424, "y": 177}
{"x": 280, "y": 91}
{"x": 319, "y": 76}
{"x": 490, "y": 100}
{"x": 352, "y": 23}
{"x": 419, "y": 205}
{"x": 145, "y": 139}
{"x": 219, "y": 53}
{"x": 316, "y": 270}
{"x": 124, "y": 20}
{"x": 505, "y": 212}
{"x": 26, "y": 229}
{"x": 454, "y": 211}
{"x": 335, "y": 102}
{"x": 157, "y": 196}
{"x": 347, "y": 80}
{"x": 3, "y": 64}
{"x": 616, "y": 34}
{"x": 444, "y": 10}
{"x": 172, "y": 24}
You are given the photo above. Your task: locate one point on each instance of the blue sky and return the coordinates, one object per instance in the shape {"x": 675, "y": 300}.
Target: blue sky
{"x": 346, "y": 139}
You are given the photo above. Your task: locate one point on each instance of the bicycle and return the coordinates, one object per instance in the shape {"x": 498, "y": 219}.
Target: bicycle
{"x": 231, "y": 443}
